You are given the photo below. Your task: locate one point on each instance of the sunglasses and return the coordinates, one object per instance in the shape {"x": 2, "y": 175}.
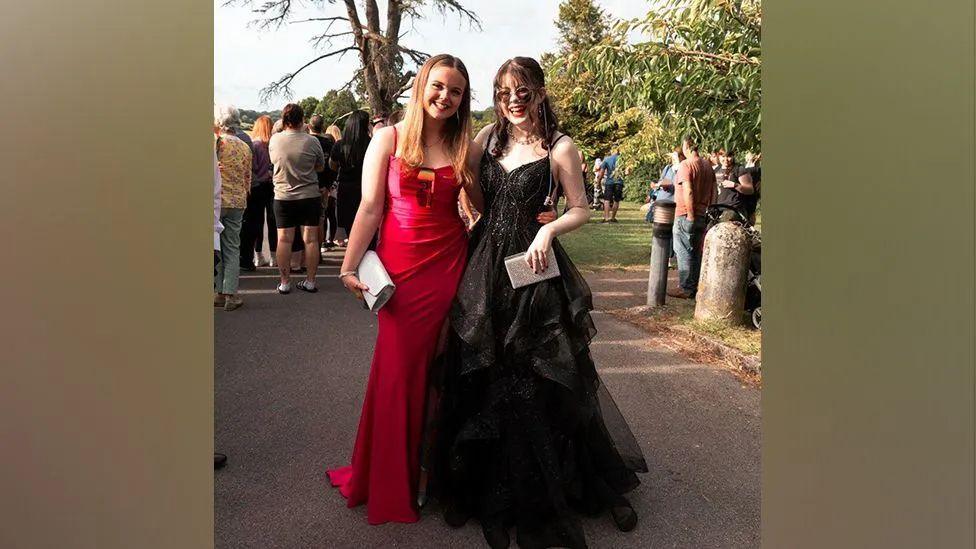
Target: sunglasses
{"x": 425, "y": 194}
{"x": 523, "y": 94}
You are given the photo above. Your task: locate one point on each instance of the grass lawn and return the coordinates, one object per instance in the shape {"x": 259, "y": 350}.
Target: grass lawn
{"x": 626, "y": 246}
{"x": 681, "y": 312}
{"x": 598, "y": 246}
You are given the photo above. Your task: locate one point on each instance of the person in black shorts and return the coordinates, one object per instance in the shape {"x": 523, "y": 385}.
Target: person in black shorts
{"x": 297, "y": 158}
{"x": 613, "y": 187}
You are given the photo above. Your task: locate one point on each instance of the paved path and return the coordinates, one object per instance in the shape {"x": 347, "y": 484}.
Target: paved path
{"x": 290, "y": 376}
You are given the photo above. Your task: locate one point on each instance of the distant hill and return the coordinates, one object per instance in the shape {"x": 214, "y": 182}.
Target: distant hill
{"x": 248, "y": 117}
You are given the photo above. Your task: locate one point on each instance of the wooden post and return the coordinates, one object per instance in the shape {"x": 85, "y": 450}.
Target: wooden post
{"x": 722, "y": 285}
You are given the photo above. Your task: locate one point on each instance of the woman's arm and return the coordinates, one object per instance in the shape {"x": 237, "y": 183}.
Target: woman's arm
{"x": 468, "y": 209}
{"x": 568, "y": 172}
{"x": 370, "y": 211}
{"x": 745, "y": 184}
{"x": 476, "y": 151}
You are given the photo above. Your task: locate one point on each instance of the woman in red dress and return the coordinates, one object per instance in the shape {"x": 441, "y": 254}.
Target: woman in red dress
{"x": 412, "y": 175}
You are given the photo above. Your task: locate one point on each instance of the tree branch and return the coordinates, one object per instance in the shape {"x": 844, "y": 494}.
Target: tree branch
{"x": 333, "y": 19}
{"x": 282, "y": 85}
{"x": 327, "y": 38}
{"x": 281, "y": 7}
{"x": 407, "y": 83}
{"x": 348, "y": 85}
{"x": 732, "y": 59}
{"x": 455, "y": 6}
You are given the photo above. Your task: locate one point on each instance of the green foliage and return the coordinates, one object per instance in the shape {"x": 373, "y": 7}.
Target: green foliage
{"x": 336, "y": 104}
{"x": 480, "y": 119}
{"x": 695, "y": 69}
{"x": 581, "y": 25}
{"x": 698, "y": 70}
{"x": 308, "y": 105}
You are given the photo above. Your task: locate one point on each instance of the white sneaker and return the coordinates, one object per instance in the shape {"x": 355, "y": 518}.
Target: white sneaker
{"x": 307, "y": 286}
{"x": 263, "y": 261}
{"x": 284, "y": 288}
{"x": 271, "y": 262}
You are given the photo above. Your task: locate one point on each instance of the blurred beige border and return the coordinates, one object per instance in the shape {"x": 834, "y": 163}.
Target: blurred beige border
{"x": 868, "y": 332}
{"x": 106, "y": 404}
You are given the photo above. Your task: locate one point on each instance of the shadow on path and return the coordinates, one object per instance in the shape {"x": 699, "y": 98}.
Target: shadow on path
{"x": 290, "y": 375}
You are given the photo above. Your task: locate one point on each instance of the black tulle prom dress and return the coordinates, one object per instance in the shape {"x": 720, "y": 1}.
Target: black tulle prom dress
{"x": 527, "y": 435}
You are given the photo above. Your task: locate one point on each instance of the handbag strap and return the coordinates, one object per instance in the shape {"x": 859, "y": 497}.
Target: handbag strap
{"x": 551, "y": 194}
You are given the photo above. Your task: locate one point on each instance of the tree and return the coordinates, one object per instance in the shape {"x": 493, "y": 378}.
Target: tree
{"x": 308, "y": 105}
{"x": 480, "y": 119}
{"x": 581, "y": 25}
{"x": 698, "y": 71}
{"x": 381, "y": 54}
{"x": 335, "y": 104}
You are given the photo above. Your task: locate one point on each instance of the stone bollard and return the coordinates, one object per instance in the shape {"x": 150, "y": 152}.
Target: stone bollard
{"x": 722, "y": 285}
{"x": 657, "y": 280}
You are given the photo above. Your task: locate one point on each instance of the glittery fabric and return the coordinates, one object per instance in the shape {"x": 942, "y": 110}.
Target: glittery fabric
{"x": 528, "y": 436}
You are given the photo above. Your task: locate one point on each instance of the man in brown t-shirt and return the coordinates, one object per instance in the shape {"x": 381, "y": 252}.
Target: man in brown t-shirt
{"x": 694, "y": 191}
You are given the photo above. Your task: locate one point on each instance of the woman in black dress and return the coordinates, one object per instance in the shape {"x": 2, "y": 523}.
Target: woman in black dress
{"x": 347, "y": 162}
{"x": 527, "y": 434}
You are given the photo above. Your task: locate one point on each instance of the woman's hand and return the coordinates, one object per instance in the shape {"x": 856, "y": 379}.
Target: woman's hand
{"x": 535, "y": 256}
{"x": 354, "y": 285}
{"x": 546, "y": 217}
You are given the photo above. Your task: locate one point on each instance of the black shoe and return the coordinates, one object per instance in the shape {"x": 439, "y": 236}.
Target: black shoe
{"x": 624, "y": 517}
{"x": 614, "y": 220}
{"x": 496, "y": 535}
{"x": 249, "y": 268}
{"x": 219, "y": 460}
{"x": 455, "y": 517}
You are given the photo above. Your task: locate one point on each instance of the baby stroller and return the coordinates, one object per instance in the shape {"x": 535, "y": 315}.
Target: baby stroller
{"x": 717, "y": 213}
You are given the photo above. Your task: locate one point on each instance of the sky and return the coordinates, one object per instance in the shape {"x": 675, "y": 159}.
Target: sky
{"x": 247, "y": 59}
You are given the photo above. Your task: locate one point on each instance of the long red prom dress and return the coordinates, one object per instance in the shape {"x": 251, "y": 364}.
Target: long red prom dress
{"x": 423, "y": 245}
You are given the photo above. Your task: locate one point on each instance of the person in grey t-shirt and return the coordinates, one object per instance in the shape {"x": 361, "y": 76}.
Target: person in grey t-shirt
{"x": 297, "y": 158}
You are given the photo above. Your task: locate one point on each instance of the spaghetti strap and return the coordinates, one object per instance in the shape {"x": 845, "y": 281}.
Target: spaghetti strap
{"x": 394, "y": 140}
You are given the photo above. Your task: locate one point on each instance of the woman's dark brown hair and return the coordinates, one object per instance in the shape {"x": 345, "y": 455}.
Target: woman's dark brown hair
{"x": 526, "y": 72}
{"x": 292, "y": 116}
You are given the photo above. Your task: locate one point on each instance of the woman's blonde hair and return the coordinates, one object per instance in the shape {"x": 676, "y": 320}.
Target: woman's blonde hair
{"x": 262, "y": 129}
{"x": 457, "y": 129}
{"x": 334, "y": 131}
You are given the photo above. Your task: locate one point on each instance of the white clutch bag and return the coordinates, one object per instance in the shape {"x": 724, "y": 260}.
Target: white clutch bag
{"x": 520, "y": 274}
{"x": 373, "y": 274}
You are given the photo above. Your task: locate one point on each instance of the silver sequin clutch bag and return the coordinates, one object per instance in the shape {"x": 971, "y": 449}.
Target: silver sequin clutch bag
{"x": 520, "y": 274}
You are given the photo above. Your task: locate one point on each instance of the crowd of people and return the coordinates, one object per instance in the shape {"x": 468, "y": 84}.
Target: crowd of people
{"x": 295, "y": 182}
{"x": 705, "y": 189}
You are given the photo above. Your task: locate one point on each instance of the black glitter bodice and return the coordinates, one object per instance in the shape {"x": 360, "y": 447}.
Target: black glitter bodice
{"x": 513, "y": 199}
